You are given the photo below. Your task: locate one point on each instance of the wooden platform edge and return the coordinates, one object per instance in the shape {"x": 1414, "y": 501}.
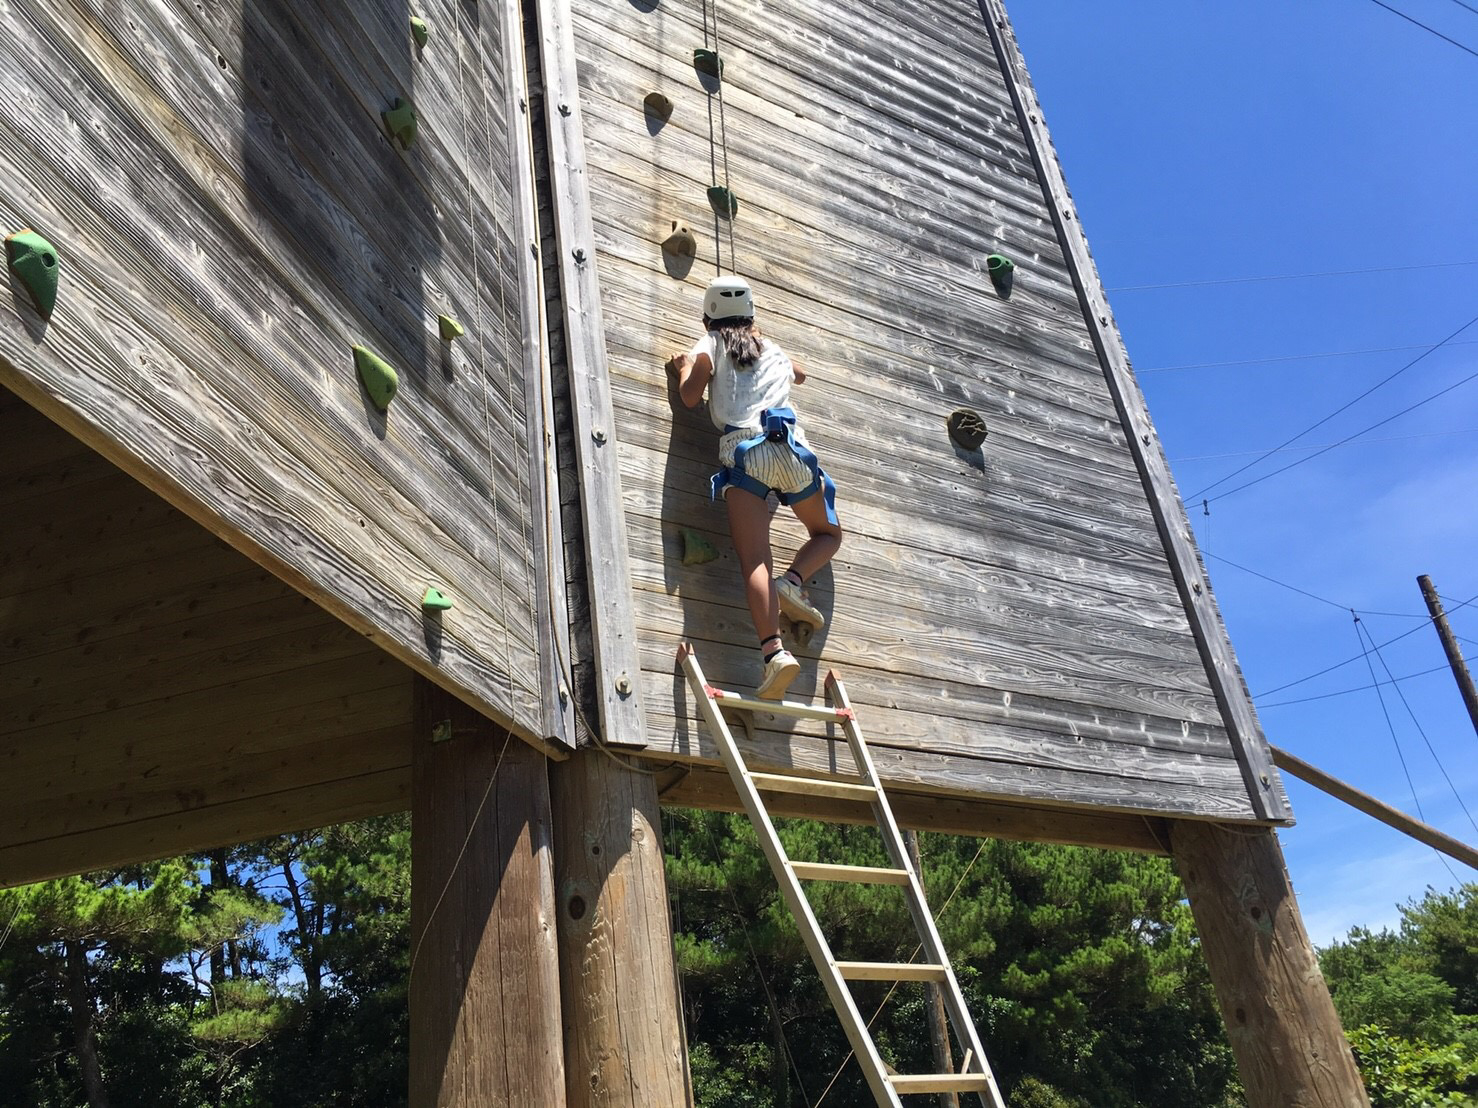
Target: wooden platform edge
{"x": 699, "y": 786}
{"x": 1264, "y": 786}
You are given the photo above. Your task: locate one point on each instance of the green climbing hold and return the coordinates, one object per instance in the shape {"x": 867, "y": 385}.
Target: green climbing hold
{"x": 434, "y": 600}
{"x": 708, "y": 63}
{"x": 450, "y": 328}
{"x": 696, "y": 549}
{"x": 380, "y": 381}
{"x": 1001, "y": 270}
{"x": 420, "y": 30}
{"x": 34, "y": 262}
{"x": 400, "y": 121}
{"x": 723, "y": 201}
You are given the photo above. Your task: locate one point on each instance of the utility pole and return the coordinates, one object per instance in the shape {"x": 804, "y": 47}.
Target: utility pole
{"x": 1449, "y": 644}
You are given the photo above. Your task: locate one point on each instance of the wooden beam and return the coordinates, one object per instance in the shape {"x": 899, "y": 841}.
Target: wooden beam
{"x": 1280, "y": 1020}
{"x": 1391, "y": 817}
{"x": 1263, "y": 787}
{"x": 624, "y": 1042}
{"x": 548, "y": 531}
{"x": 618, "y": 667}
{"x": 484, "y": 982}
{"x": 693, "y": 786}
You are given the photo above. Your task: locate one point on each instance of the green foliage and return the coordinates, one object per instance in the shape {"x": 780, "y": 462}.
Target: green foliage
{"x": 1406, "y": 1001}
{"x": 191, "y": 995}
{"x": 1406, "y": 1073}
{"x": 1081, "y": 967}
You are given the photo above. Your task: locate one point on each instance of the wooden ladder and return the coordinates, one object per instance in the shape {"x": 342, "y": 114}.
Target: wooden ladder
{"x": 975, "y": 1075}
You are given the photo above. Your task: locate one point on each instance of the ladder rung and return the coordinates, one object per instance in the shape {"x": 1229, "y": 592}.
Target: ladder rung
{"x": 891, "y": 971}
{"x": 939, "y": 1082}
{"x": 810, "y": 786}
{"x": 865, "y": 875}
{"x": 792, "y": 708}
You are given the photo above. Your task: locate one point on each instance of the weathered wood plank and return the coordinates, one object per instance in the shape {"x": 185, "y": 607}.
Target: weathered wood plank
{"x": 872, "y": 184}
{"x": 615, "y": 651}
{"x": 142, "y": 131}
{"x": 694, "y": 787}
{"x": 222, "y": 823}
{"x": 1263, "y": 784}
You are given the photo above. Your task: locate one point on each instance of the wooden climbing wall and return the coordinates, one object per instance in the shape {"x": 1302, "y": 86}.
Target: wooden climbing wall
{"x": 1007, "y": 620}
{"x": 232, "y": 218}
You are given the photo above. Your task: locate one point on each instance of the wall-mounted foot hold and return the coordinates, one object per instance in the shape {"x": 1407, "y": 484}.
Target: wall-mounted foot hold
{"x": 696, "y": 549}
{"x": 378, "y": 378}
{"x": 450, "y": 329}
{"x": 658, "y": 108}
{"x": 420, "y": 30}
{"x": 400, "y": 121}
{"x": 1001, "y": 270}
{"x": 434, "y": 600}
{"x": 966, "y": 429}
{"x": 723, "y": 201}
{"x": 708, "y": 63}
{"x": 35, "y": 264}
{"x": 679, "y": 250}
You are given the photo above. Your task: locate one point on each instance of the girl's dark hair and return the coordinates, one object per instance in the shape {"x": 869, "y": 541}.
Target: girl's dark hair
{"x": 740, "y": 338}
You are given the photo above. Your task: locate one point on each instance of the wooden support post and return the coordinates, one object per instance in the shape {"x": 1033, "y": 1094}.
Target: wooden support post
{"x": 484, "y": 988}
{"x": 624, "y": 1042}
{"x": 1280, "y": 1020}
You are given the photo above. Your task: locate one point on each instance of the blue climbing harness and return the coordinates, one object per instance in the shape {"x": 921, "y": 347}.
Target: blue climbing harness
{"x": 776, "y": 425}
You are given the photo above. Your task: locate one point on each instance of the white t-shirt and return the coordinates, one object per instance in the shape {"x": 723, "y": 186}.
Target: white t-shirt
{"x": 736, "y": 397}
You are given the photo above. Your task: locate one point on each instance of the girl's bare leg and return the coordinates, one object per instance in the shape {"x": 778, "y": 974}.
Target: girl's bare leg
{"x": 749, "y": 527}
{"x": 825, "y": 540}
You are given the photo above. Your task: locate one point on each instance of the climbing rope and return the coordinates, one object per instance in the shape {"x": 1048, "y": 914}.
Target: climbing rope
{"x": 710, "y": 8}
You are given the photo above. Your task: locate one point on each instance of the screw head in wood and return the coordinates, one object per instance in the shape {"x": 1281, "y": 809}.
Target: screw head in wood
{"x": 623, "y": 686}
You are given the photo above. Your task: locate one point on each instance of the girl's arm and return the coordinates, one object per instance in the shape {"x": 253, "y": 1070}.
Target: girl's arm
{"x": 693, "y": 375}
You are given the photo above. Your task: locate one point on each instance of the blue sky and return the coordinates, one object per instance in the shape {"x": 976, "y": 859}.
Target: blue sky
{"x": 1205, "y": 144}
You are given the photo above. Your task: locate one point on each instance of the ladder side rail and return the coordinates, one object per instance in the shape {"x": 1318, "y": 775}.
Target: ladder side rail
{"x": 918, "y": 904}
{"x": 837, "y": 989}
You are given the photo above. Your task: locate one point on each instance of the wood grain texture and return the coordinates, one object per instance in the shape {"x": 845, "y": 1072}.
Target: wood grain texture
{"x": 624, "y": 1043}
{"x": 1280, "y": 1021}
{"x": 160, "y": 695}
{"x": 484, "y": 983}
{"x": 1264, "y": 788}
{"x": 594, "y": 437}
{"x": 1007, "y": 620}
{"x": 232, "y": 218}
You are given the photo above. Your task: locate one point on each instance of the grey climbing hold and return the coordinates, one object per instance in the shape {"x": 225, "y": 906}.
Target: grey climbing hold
{"x": 658, "y": 107}
{"x": 966, "y": 429}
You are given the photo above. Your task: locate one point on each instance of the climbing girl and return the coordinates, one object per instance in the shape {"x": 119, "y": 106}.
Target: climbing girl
{"x": 763, "y": 450}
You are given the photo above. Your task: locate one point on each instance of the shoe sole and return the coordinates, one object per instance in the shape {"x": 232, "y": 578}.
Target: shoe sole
{"x": 774, "y": 688}
{"x": 799, "y": 614}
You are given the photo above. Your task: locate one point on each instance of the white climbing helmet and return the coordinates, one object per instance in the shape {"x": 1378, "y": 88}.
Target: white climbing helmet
{"x": 728, "y": 297}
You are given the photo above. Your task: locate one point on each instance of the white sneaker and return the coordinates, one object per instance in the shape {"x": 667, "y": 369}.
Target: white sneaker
{"x": 780, "y": 671}
{"x": 796, "y": 604}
